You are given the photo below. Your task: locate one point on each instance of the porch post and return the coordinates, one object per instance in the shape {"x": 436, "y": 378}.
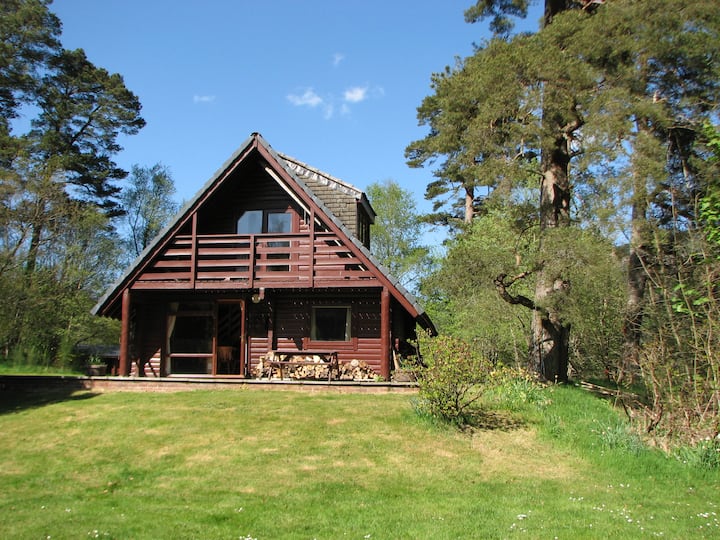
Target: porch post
{"x": 385, "y": 329}
{"x": 124, "y": 368}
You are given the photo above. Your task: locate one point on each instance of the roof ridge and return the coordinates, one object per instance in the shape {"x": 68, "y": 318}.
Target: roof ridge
{"x": 302, "y": 168}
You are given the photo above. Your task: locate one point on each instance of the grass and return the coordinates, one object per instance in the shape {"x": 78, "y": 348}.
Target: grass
{"x": 263, "y": 464}
{"x": 21, "y": 368}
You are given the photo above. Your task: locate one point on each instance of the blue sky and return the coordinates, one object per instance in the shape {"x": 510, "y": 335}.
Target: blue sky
{"x": 333, "y": 83}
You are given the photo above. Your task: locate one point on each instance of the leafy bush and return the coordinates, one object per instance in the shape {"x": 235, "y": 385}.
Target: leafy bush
{"x": 453, "y": 380}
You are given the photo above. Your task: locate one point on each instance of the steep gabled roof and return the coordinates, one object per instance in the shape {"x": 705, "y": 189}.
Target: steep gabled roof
{"x": 290, "y": 173}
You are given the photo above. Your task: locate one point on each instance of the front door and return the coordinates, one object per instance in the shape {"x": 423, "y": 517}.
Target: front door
{"x": 230, "y": 349}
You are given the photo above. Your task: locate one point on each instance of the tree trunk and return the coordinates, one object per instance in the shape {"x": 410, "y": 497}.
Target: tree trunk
{"x": 469, "y": 204}
{"x": 636, "y": 278}
{"x": 550, "y": 343}
{"x": 550, "y": 351}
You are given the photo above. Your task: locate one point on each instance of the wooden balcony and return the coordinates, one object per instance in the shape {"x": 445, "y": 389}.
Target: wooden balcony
{"x": 230, "y": 261}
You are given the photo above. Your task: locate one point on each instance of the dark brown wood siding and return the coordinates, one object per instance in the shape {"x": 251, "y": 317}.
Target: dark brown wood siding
{"x": 290, "y": 319}
{"x": 249, "y": 188}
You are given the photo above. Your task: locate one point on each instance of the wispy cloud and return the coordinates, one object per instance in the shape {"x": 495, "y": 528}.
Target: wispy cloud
{"x": 203, "y": 99}
{"x": 309, "y": 99}
{"x": 331, "y": 105}
{"x": 337, "y": 59}
{"x": 355, "y": 94}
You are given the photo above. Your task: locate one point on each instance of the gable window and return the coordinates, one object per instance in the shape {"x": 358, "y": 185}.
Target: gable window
{"x": 330, "y": 323}
{"x": 265, "y": 221}
{"x": 250, "y": 222}
{"x": 279, "y": 222}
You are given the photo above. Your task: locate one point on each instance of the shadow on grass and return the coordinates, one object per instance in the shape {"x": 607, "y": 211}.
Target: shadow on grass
{"x": 14, "y": 399}
{"x": 489, "y": 420}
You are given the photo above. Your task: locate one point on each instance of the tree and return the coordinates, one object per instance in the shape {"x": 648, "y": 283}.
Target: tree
{"x": 395, "y": 235}
{"x": 28, "y": 38}
{"x": 147, "y": 204}
{"x": 520, "y": 104}
{"x": 603, "y": 89}
{"x": 58, "y": 189}
{"x": 656, "y": 86}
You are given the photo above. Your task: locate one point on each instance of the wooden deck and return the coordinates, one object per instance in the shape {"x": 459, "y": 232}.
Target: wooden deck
{"x": 231, "y": 261}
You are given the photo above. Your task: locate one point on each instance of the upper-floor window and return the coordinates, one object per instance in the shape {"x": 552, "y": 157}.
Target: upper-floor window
{"x": 264, "y": 221}
{"x": 279, "y": 222}
{"x": 250, "y": 222}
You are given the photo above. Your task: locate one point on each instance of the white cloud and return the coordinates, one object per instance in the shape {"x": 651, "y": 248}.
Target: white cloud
{"x": 355, "y": 94}
{"x": 337, "y": 59}
{"x": 309, "y": 98}
{"x": 203, "y": 99}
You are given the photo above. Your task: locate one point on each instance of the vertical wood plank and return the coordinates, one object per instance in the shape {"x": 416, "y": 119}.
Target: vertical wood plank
{"x": 385, "y": 333}
{"x": 193, "y": 251}
{"x": 124, "y": 368}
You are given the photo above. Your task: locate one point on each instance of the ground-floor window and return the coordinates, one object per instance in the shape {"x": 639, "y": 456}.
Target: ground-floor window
{"x": 330, "y": 323}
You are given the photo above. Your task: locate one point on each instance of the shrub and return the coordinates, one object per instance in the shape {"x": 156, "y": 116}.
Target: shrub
{"x": 453, "y": 380}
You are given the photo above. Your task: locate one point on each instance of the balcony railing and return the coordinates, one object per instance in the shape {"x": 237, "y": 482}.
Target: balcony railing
{"x": 251, "y": 261}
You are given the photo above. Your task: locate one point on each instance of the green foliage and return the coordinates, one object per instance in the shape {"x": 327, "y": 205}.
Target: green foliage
{"x": 709, "y": 204}
{"x": 704, "y": 454}
{"x": 148, "y": 205}
{"x": 453, "y": 380}
{"x": 594, "y": 300}
{"x": 621, "y": 437}
{"x": 499, "y": 242}
{"x": 515, "y": 389}
{"x": 461, "y": 296}
{"x": 395, "y": 235}
{"x": 57, "y": 247}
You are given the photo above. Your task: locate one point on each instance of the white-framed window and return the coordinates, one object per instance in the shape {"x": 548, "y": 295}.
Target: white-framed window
{"x": 330, "y": 323}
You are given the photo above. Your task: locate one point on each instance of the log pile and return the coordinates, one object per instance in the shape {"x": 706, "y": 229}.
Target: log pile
{"x": 356, "y": 370}
{"x": 310, "y": 367}
{"x": 313, "y": 368}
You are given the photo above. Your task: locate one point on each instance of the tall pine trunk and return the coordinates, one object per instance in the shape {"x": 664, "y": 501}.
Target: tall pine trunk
{"x": 638, "y": 259}
{"x": 550, "y": 349}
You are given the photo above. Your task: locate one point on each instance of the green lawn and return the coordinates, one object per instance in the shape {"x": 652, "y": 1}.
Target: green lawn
{"x": 265, "y": 464}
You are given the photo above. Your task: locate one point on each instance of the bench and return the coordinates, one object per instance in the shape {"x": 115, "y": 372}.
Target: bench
{"x": 287, "y": 359}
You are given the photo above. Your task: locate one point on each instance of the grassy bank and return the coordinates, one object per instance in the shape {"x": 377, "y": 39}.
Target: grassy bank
{"x": 259, "y": 464}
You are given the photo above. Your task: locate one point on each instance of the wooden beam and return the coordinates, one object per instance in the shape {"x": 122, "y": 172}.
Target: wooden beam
{"x": 385, "y": 328}
{"x": 193, "y": 253}
{"x": 124, "y": 368}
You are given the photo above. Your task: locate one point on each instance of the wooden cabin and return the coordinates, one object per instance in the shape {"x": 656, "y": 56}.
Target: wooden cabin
{"x": 269, "y": 259}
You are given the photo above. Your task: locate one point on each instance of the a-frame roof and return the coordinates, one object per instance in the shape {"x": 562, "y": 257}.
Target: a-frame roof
{"x": 289, "y": 172}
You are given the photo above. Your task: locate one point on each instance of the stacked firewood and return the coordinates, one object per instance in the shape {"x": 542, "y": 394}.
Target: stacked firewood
{"x": 314, "y": 368}
{"x": 356, "y": 370}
